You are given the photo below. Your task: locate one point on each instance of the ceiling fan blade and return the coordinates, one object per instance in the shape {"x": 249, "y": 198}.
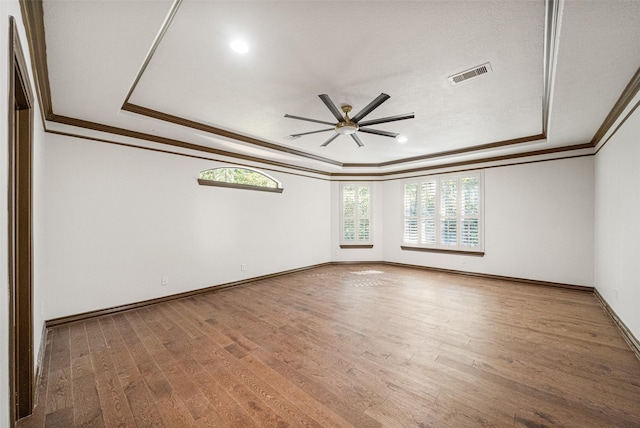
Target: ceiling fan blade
{"x": 387, "y": 119}
{"x": 333, "y": 137}
{"x": 357, "y": 140}
{"x": 379, "y": 132}
{"x": 332, "y": 107}
{"x": 308, "y": 120}
{"x": 370, "y": 107}
{"x": 312, "y": 132}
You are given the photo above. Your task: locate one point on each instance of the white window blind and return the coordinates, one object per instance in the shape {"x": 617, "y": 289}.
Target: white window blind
{"x": 355, "y": 213}
{"x": 444, "y": 212}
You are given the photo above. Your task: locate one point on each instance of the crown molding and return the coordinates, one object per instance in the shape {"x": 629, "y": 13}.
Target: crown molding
{"x": 447, "y": 153}
{"x": 176, "y": 120}
{"x": 32, "y": 12}
{"x": 550, "y": 51}
{"x": 483, "y": 160}
{"x": 628, "y": 94}
{"x": 99, "y": 127}
{"x": 33, "y": 20}
{"x": 154, "y": 46}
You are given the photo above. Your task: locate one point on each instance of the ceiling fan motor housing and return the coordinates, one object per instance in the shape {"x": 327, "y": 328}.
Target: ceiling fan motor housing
{"x": 346, "y": 128}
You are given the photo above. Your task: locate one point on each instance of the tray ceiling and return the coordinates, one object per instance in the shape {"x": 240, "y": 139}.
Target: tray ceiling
{"x": 169, "y": 64}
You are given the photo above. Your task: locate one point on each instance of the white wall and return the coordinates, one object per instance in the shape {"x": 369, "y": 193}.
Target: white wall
{"x": 118, "y": 219}
{"x": 617, "y": 223}
{"x": 39, "y": 211}
{"x": 12, "y": 8}
{"x": 377, "y": 227}
{"x": 538, "y": 224}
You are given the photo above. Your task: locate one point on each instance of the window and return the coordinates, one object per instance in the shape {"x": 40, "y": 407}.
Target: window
{"x": 239, "y": 178}
{"x": 355, "y": 209}
{"x": 444, "y": 212}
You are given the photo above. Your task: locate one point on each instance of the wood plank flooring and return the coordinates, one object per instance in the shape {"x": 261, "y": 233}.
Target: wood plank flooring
{"x": 348, "y": 345}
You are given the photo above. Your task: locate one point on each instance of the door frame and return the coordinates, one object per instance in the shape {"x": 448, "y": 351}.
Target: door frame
{"x": 20, "y": 231}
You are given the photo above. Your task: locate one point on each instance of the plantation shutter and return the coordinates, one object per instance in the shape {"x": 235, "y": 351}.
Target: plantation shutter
{"x": 470, "y": 211}
{"x": 364, "y": 212}
{"x": 411, "y": 213}
{"x": 444, "y": 212}
{"x": 449, "y": 211}
{"x": 428, "y": 212}
{"x": 348, "y": 213}
{"x": 356, "y": 213}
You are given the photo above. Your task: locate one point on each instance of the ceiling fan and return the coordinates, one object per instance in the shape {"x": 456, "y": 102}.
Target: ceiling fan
{"x": 350, "y": 125}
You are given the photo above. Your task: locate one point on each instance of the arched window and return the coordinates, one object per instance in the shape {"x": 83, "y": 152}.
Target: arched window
{"x": 239, "y": 178}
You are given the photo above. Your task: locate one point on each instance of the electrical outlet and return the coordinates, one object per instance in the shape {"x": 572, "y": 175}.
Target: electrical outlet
{"x": 164, "y": 280}
{"x": 243, "y": 267}
{"x": 463, "y": 260}
{"x": 615, "y": 291}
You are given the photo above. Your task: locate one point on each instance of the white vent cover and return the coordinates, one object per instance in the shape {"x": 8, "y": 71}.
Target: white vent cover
{"x": 458, "y": 78}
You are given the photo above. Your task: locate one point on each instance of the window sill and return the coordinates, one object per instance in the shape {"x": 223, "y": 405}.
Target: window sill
{"x": 353, "y": 246}
{"x": 442, "y": 250}
{"x": 239, "y": 186}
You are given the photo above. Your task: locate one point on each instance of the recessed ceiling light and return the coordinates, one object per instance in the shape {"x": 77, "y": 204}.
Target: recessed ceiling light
{"x": 239, "y": 46}
{"x": 402, "y": 139}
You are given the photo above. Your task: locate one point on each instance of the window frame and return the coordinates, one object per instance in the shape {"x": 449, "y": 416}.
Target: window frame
{"x": 217, "y": 183}
{"x": 438, "y": 216}
{"x": 357, "y": 242}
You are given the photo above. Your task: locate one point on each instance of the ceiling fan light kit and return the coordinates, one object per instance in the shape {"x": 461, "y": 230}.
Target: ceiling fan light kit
{"x": 350, "y": 126}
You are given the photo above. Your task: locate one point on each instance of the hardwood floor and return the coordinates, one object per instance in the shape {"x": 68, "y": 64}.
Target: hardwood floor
{"x": 349, "y": 345}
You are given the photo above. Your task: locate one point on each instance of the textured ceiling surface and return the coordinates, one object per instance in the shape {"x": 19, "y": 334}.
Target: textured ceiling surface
{"x": 100, "y": 52}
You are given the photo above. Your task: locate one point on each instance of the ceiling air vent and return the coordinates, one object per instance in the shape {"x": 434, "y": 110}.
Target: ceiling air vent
{"x": 458, "y": 78}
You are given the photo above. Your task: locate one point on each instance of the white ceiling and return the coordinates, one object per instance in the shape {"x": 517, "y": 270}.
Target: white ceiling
{"x": 352, "y": 51}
